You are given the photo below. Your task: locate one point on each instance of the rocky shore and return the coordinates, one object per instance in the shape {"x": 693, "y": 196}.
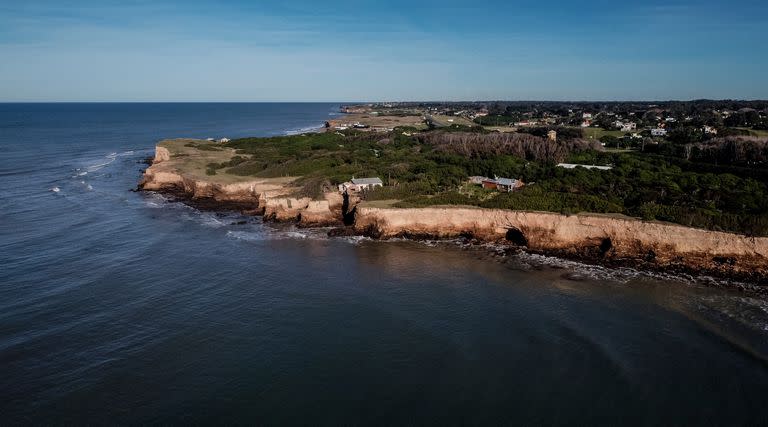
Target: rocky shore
{"x": 605, "y": 239}
{"x": 178, "y": 168}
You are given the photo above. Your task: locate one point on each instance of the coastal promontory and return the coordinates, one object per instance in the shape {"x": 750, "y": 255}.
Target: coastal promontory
{"x": 566, "y": 196}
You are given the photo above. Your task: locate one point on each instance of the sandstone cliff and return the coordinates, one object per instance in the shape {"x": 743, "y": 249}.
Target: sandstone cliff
{"x": 597, "y": 237}
{"x": 179, "y": 168}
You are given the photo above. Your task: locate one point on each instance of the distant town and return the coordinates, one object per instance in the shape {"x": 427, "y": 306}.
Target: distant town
{"x": 701, "y": 164}
{"x": 615, "y": 124}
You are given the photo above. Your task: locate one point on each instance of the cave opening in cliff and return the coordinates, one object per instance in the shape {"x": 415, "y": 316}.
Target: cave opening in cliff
{"x": 517, "y": 237}
{"x": 605, "y": 246}
{"x": 347, "y": 214}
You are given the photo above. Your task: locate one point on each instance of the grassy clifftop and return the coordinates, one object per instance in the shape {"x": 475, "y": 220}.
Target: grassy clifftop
{"x": 423, "y": 168}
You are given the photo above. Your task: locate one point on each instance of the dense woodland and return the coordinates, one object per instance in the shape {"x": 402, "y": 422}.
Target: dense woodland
{"x": 720, "y": 184}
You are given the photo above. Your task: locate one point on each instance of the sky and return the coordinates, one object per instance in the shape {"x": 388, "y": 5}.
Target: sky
{"x": 341, "y": 51}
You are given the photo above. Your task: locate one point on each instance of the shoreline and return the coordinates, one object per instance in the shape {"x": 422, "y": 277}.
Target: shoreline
{"x": 494, "y": 249}
{"x": 589, "y": 238}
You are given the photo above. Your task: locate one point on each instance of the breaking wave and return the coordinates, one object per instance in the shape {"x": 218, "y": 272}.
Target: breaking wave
{"x": 302, "y": 130}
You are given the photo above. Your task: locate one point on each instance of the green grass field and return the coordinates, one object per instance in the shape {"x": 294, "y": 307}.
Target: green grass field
{"x": 755, "y": 132}
{"x": 597, "y": 133}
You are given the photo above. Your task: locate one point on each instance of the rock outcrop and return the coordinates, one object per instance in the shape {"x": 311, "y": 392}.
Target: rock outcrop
{"x": 610, "y": 239}
{"x": 172, "y": 171}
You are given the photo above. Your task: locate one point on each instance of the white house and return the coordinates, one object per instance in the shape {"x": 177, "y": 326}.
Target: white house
{"x": 627, "y": 126}
{"x": 360, "y": 184}
{"x": 224, "y": 140}
{"x": 658, "y": 132}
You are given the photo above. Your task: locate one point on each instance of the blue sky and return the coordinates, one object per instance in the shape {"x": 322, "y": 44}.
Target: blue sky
{"x": 395, "y": 50}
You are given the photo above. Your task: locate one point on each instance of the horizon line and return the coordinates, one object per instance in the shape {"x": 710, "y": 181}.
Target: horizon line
{"x": 391, "y": 101}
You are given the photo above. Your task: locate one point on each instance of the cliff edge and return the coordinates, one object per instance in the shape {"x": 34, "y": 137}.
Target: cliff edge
{"x": 180, "y": 168}
{"x": 605, "y": 238}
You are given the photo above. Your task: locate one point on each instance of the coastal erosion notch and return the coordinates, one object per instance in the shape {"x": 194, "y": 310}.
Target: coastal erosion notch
{"x": 516, "y": 236}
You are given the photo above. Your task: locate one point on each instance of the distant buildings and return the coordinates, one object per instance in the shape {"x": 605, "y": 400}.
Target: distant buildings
{"x": 625, "y": 126}
{"x": 709, "y": 130}
{"x": 658, "y": 132}
{"x": 574, "y": 166}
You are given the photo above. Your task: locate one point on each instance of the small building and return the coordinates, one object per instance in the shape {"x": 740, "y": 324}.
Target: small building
{"x": 224, "y": 140}
{"x": 586, "y": 116}
{"x": 709, "y": 130}
{"x": 502, "y": 184}
{"x": 489, "y": 184}
{"x": 658, "y": 132}
{"x": 552, "y": 135}
{"x": 508, "y": 185}
{"x": 360, "y": 184}
{"x": 628, "y": 126}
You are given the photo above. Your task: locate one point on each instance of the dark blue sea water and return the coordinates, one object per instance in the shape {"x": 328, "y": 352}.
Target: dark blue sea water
{"x": 124, "y": 307}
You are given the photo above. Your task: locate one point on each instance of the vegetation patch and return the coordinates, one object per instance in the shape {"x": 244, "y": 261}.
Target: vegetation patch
{"x": 719, "y": 184}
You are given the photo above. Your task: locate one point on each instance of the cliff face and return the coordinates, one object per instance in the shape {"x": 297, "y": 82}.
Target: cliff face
{"x": 178, "y": 168}
{"x": 608, "y": 238}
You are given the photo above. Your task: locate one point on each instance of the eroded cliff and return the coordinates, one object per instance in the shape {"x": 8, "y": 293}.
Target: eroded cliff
{"x": 179, "y": 167}
{"x": 596, "y": 237}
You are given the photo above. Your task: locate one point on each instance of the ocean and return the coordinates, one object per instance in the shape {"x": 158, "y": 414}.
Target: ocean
{"x": 124, "y": 307}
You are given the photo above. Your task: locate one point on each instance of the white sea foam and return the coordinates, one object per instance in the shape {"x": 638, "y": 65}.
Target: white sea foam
{"x": 300, "y": 131}
{"x": 250, "y": 236}
{"x": 105, "y": 161}
{"x": 207, "y": 219}
{"x": 55, "y": 189}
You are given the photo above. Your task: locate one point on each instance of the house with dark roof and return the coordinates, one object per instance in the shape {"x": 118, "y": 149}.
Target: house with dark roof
{"x": 502, "y": 184}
